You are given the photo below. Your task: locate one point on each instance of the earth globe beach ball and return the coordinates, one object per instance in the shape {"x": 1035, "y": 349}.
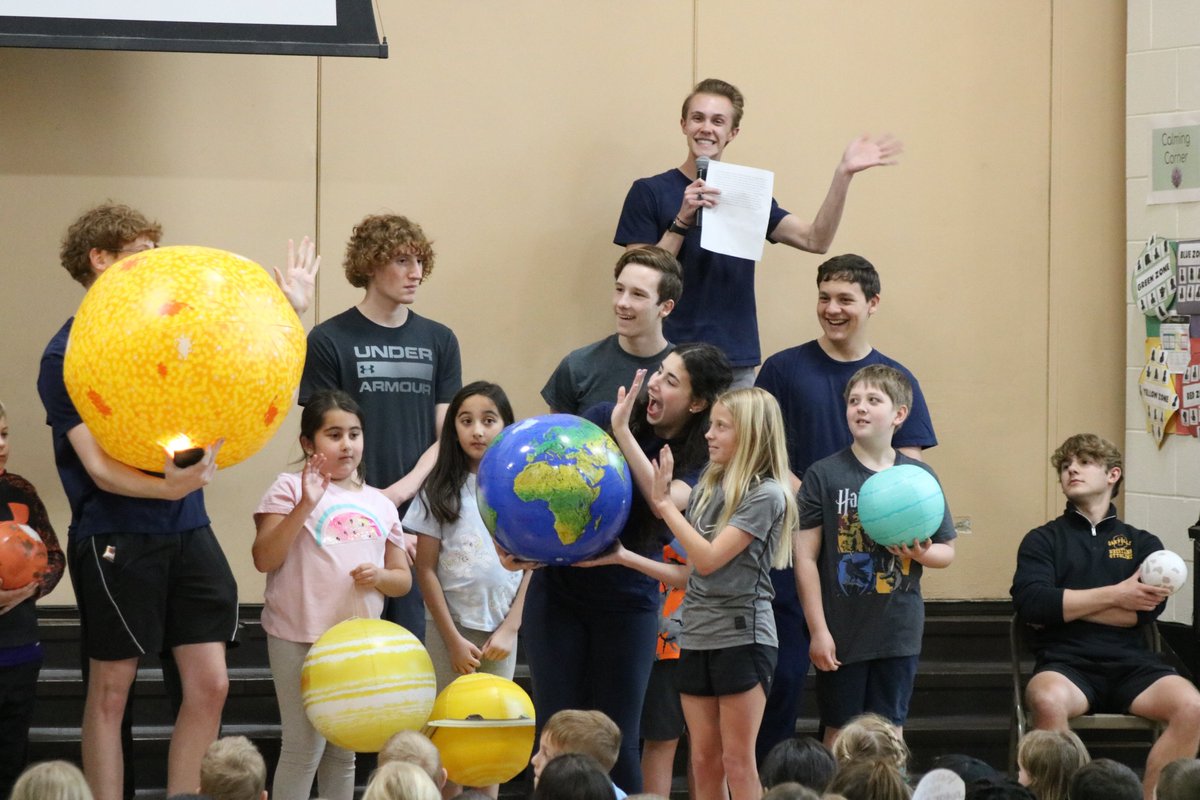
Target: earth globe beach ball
{"x": 900, "y": 505}
{"x": 364, "y": 680}
{"x": 174, "y": 348}
{"x": 554, "y": 489}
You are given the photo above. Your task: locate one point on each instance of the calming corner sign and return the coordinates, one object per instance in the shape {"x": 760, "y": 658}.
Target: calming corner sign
{"x": 1174, "y": 158}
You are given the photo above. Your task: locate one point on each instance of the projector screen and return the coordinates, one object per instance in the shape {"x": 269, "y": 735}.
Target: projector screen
{"x": 273, "y": 27}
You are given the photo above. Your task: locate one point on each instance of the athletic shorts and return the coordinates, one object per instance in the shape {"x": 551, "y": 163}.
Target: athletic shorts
{"x": 145, "y": 593}
{"x": 1110, "y": 686}
{"x": 662, "y": 712}
{"x": 881, "y": 686}
{"x": 726, "y": 670}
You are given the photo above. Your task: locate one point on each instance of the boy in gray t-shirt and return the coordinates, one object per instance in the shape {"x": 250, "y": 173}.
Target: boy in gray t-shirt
{"x": 862, "y": 601}
{"x": 648, "y": 282}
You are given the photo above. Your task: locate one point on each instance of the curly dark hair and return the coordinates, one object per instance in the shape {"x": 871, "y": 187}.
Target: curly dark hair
{"x": 107, "y": 227}
{"x": 377, "y": 240}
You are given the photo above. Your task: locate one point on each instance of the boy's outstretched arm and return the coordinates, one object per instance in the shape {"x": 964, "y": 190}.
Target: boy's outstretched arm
{"x": 806, "y": 548}
{"x": 816, "y": 236}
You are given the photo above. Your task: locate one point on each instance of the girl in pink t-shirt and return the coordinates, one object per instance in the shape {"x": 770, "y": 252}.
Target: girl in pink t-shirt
{"x": 332, "y": 548}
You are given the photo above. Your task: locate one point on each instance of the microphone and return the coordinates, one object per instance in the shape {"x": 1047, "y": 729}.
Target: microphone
{"x": 701, "y": 173}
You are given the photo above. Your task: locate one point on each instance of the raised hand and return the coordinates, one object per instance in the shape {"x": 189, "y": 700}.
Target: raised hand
{"x": 623, "y": 410}
{"x": 314, "y": 480}
{"x": 299, "y": 284}
{"x": 865, "y": 152}
{"x": 664, "y": 471}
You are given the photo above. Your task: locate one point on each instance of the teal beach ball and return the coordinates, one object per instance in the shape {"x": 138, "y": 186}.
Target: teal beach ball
{"x": 901, "y": 504}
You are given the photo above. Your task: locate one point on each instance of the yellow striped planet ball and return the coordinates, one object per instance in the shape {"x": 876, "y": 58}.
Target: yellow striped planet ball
{"x": 483, "y": 727}
{"x": 176, "y": 347}
{"x": 364, "y": 680}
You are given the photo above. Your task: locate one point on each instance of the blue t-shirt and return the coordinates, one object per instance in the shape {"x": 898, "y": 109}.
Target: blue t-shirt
{"x": 810, "y": 385}
{"x": 93, "y": 510}
{"x": 718, "y": 304}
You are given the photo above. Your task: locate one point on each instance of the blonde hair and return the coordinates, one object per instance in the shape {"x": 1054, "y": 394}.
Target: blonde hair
{"x": 414, "y": 748}
{"x": 873, "y": 738}
{"x": 400, "y": 780}
{"x": 1051, "y": 759}
{"x": 233, "y": 769}
{"x": 760, "y": 453}
{"x": 51, "y": 780}
{"x": 592, "y": 733}
{"x": 870, "y": 780}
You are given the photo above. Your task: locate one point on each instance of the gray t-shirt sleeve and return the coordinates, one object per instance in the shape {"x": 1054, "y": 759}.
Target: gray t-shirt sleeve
{"x": 560, "y": 390}
{"x": 449, "y": 377}
{"x": 760, "y": 511}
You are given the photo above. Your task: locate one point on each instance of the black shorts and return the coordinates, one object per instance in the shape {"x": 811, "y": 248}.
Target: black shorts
{"x": 881, "y": 686}
{"x": 727, "y": 670}
{"x": 143, "y": 593}
{"x": 662, "y": 713}
{"x": 1110, "y": 686}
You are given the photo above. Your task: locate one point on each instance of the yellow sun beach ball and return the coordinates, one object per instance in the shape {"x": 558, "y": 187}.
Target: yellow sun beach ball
{"x": 483, "y": 728}
{"x": 364, "y": 680}
{"x": 176, "y": 347}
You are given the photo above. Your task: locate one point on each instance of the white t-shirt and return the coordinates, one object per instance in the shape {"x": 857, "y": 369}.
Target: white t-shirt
{"x": 312, "y": 590}
{"x": 479, "y": 590}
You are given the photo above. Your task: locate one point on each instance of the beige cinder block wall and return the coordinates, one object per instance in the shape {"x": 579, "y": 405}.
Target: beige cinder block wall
{"x": 512, "y": 133}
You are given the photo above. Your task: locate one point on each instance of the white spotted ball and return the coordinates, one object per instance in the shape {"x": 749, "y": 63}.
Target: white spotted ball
{"x": 1164, "y": 568}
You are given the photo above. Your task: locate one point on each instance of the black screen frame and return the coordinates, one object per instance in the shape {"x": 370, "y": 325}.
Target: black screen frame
{"x": 355, "y": 35}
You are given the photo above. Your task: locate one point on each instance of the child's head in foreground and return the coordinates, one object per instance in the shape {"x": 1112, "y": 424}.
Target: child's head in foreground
{"x": 790, "y": 791}
{"x": 801, "y": 759}
{"x": 233, "y": 769}
{"x": 573, "y": 776}
{"x": 401, "y": 780}
{"x": 1105, "y": 779}
{"x": 870, "y": 737}
{"x": 414, "y": 747}
{"x": 51, "y": 780}
{"x": 870, "y": 779}
{"x": 1179, "y": 780}
{"x": 572, "y": 731}
{"x": 1047, "y": 761}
